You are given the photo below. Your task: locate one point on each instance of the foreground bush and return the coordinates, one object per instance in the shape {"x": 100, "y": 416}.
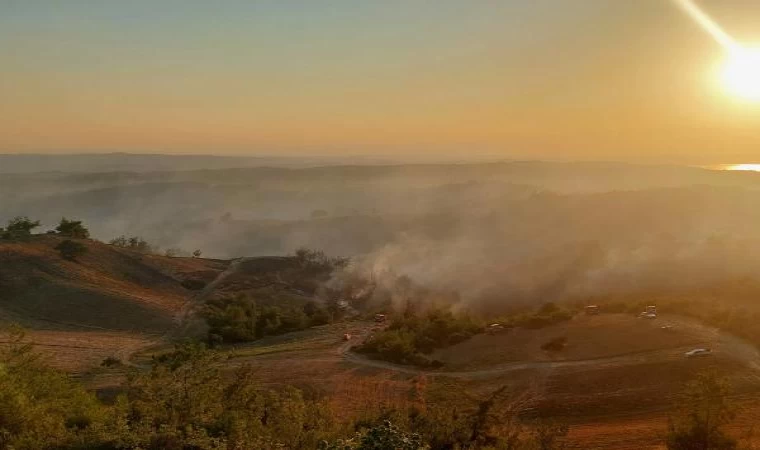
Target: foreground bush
{"x": 183, "y": 402}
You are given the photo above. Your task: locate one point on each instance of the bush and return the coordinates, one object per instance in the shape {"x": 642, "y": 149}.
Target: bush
{"x": 73, "y": 229}
{"x": 239, "y": 319}
{"x": 71, "y": 250}
{"x": 317, "y": 261}
{"x": 705, "y": 411}
{"x": 19, "y": 228}
{"x": 555, "y": 345}
{"x": 407, "y": 339}
{"x": 193, "y": 284}
{"x": 134, "y": 243}
{"x": 111, "y": 361}
{"x": 382, "y": 437}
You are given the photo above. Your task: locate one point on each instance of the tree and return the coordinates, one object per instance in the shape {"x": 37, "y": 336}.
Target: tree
{"x": 135, "y": 243}
{"x": 197, "y": 254}
{"x": 20, "y": 227}
{"x": 71, "y": 250}
{"x": 705, "y": 411}
{"x": 73, "y": 229}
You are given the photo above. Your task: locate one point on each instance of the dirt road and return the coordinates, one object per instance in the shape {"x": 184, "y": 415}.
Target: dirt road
{"x": 720, "y": 342}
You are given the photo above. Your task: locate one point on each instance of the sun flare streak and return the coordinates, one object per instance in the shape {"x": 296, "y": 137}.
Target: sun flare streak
{"x": 740, "y": 75}
{"x": 709, "y": 25}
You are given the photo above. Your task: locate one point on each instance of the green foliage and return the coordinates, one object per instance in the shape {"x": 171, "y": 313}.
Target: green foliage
{"x": 240, "y": 319}
{"x": 72, "y": 229}
{"x": 185, "y": 402}
{"x": 19, "y": 228}
{"x": 704, "y": 412}
{"x": 193, "y": 284}
{"x": 491, "y": 422}
{"x": 71, "y": 250}
{"x": 381, "y": 437}
{"x": 316, "y": 261}
{"x": 134, "y": 243}
{"x": 407, "y": 339}
{"x": 185, "y": 398}
{"x": 39, "y": 407}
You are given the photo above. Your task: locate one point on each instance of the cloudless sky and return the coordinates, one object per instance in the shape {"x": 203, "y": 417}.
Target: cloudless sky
{"x": 545, "y": 79}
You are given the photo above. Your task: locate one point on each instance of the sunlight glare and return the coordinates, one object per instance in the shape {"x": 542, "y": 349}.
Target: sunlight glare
{"x": 741, "y": 73}
{"x": 745, "y": 167}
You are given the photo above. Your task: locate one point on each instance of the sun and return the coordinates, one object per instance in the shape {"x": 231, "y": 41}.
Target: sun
{"x": 740, "y": 75}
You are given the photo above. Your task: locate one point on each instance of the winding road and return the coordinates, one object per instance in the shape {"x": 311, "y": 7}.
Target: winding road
{"x": 722, "y": 343}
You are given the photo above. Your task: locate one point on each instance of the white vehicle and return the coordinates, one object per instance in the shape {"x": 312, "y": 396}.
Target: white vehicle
{"x": 697, "y": 352}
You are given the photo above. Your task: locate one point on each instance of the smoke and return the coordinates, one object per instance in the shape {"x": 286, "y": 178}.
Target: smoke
{"x": 477, "y": 237}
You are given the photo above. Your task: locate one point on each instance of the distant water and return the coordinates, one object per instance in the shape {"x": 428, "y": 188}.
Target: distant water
{"x": 743, "y": 167}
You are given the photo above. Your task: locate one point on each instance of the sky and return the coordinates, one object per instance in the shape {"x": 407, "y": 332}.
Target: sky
{"x": 610, "y": 80}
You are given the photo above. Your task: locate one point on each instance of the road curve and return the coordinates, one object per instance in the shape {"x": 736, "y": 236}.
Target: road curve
{"x": 722, "y": 344}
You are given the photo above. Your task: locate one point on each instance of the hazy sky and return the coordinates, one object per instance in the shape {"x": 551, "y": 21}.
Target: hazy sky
{"x": 630, "y": 80}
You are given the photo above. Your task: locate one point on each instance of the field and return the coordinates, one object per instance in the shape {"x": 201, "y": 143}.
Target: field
{"x": 614, "y": 382}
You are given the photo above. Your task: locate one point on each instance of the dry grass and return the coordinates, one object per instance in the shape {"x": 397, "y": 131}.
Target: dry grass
{"x": 588, "y": 337}
{"x": 79, "y": 351}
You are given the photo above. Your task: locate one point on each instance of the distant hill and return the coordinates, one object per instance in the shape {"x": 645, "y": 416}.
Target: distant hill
{"x": 134, "y": 162}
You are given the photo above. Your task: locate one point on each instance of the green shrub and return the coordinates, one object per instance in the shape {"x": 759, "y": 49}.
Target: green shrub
{"x": 193, "y": 284}
{"x": 73, "y": 229}
{"x": 407, "y": 339}
{"x": 240, "y": 319}
{"x": 19, "y": 228}
{"x": 71, "y": 250}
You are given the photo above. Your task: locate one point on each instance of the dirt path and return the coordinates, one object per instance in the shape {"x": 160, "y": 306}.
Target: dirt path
{"x": 197, "y": 300}
{"x": 721, "y": 343}
{"x": 183, "y": 317}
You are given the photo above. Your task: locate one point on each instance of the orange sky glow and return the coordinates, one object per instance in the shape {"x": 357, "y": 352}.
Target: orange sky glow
{"x": 601, "y": 80}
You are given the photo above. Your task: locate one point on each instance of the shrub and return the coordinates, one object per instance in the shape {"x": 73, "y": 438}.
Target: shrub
{"x": 556, "y": 344}
{"x": 111, "y": 361}
{"x": 134, "y": 243}
{"x": 407, "y": 339}
{"x": 71, "y": 250}
{"x": 19, "y": 228}
{"x": 193, "y": 284}
{"x": 381, "y": 437}
{"x": 704, "y": 413}
{"x": 73, "y": 229}
{"x": 240, "y": 319}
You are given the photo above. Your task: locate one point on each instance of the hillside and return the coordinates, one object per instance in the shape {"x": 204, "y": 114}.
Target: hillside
{"x": 114, "y": 302}
{"x": 109, "y": 303}
{"x": 107, "y": 288}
